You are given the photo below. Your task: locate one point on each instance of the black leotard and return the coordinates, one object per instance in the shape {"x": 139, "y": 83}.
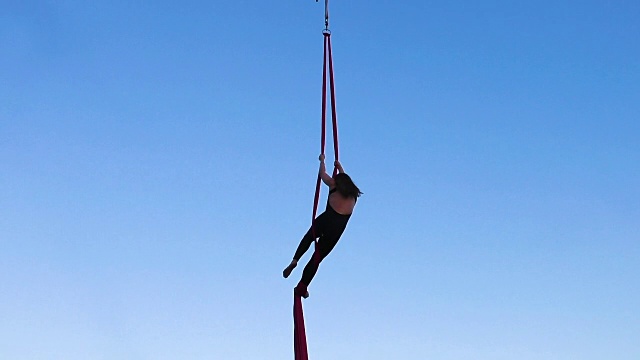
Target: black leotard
{"x": 328, "y": 227}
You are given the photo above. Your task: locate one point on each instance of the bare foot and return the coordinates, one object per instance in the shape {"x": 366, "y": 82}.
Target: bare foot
{"x": 286, "y": 272}
{"x": 306, "y": 295}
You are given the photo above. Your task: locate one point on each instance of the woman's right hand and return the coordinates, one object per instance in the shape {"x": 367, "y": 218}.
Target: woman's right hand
{"x": 321, "y": 157}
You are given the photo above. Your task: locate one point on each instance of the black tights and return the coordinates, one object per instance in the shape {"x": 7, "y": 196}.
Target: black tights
{"x": 329, "y": 226}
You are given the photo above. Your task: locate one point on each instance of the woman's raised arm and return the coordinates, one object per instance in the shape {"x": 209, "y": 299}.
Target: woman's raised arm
{"x": 326, "y": 178}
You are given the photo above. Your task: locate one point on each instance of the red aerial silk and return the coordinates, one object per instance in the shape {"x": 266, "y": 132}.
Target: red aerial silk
{"x": 300, "y": 338}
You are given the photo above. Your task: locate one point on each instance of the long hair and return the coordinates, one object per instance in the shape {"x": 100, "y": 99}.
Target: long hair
{"x": 346, "y": 187}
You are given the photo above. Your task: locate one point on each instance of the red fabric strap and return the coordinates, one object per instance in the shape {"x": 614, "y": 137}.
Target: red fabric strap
{"x": 334, "y": 115}
{"x": 300, "y": 339}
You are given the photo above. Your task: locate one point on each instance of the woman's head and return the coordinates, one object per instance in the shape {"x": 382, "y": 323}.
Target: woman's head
{"x": 345, "y": 186}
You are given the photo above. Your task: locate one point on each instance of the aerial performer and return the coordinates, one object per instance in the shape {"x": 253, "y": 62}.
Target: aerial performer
{"x": 328, "y": 227}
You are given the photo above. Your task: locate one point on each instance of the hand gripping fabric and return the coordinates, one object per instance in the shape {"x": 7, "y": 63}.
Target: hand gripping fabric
{"x": 300, "y": 339}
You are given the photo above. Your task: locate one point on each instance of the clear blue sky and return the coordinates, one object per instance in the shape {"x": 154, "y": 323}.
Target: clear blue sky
{"x": 158, "y": 160}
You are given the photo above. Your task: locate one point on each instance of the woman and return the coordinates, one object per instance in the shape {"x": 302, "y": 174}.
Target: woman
{"x": 330, "y": 225}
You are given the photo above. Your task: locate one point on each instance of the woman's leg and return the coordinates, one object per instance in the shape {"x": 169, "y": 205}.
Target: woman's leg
{"x": 325, "y": 245}
{"x": 305, "y": 243}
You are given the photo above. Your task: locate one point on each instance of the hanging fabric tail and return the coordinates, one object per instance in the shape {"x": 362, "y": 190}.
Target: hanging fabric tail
{"x": 300, "y": 336}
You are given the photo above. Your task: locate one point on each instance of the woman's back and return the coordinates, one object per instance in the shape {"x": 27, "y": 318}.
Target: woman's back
{"x": 343, "y": 205}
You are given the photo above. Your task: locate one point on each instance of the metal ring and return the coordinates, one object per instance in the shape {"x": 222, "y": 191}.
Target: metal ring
{"x": 326, "y": 32}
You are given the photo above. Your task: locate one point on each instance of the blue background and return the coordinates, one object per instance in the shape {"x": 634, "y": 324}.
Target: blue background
{"x": 158, "y": 162}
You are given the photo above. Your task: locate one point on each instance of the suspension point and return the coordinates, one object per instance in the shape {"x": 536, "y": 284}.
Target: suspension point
{"x": 326, "y": 32}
